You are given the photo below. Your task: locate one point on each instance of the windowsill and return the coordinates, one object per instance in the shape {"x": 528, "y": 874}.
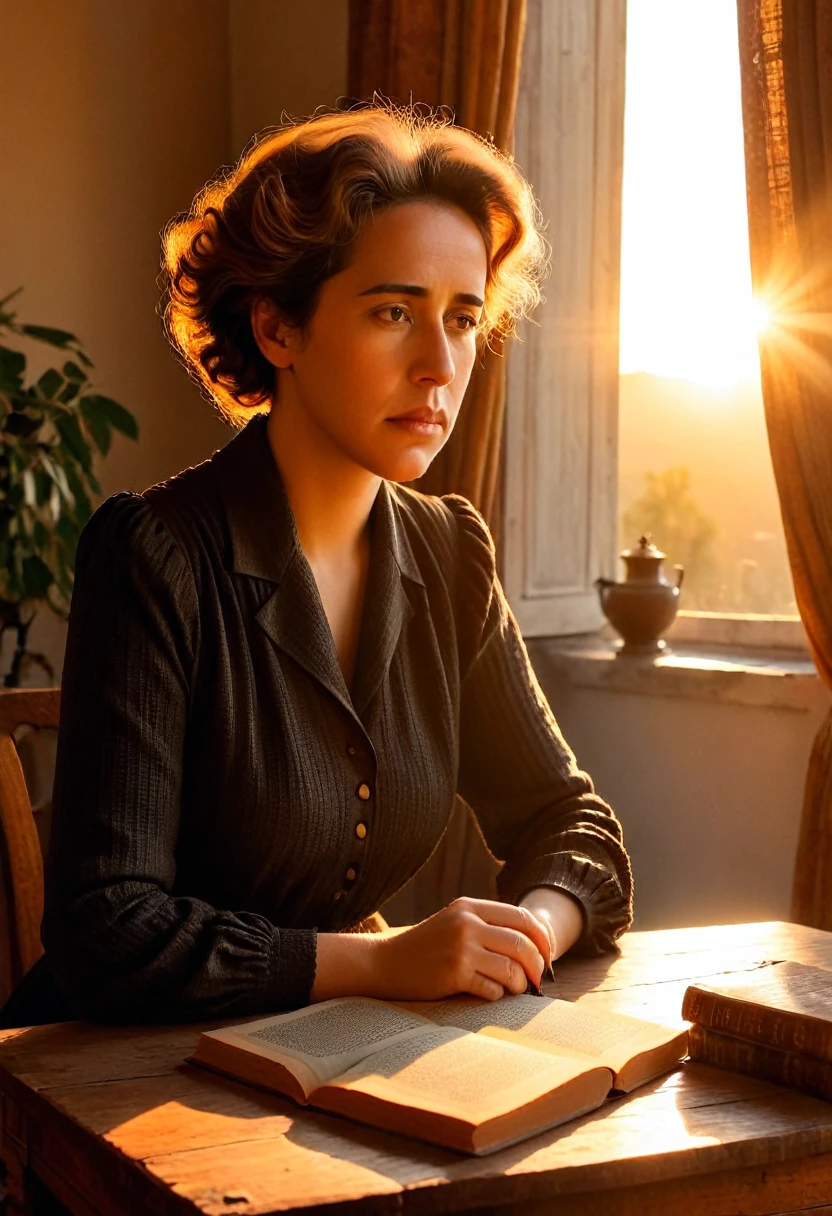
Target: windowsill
{"x": 773, "y": 679}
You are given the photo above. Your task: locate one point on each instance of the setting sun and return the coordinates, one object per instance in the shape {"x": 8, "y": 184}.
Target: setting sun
{"x": 761, "y": 315}
{"x": 687, "y": 310}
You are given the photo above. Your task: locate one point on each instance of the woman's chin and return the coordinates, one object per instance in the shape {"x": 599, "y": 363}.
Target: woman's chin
{"x": 408, "y": 463}
{"x": 408, "y": 468}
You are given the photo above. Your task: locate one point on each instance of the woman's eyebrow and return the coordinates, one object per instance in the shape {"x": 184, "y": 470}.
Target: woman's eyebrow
{"x": 409, "y": 289}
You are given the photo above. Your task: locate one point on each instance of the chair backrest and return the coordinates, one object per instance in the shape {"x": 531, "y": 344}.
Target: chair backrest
{"x": 21, "y": 862}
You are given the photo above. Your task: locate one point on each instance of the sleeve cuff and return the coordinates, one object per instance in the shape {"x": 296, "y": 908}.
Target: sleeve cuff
{"x": 607, "y": 911}
{"x": 294, "y": 955}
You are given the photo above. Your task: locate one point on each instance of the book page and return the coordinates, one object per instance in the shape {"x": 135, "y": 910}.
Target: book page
{"x": 320, "y": 1041}
{"x": 466, "y": 1076}
{"x": 564, "y": 1027}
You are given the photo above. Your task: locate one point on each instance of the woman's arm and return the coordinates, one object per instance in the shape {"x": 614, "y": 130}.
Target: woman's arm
{"x": 121, "y": 945}
{"x": 538, "y": 811}
{"x": 480, "y": 946}
{"x": 562, "y": 914}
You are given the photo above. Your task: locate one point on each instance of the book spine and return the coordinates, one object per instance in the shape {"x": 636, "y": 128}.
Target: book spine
{"x": 788, "y": 1068}
{"x": 758, "y": 1024}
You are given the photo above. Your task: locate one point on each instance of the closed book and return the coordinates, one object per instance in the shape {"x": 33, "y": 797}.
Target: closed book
{"x": 786, "y": 1005}
{"x": 466, "y": 1074}
{"x": 790, "y": 1068}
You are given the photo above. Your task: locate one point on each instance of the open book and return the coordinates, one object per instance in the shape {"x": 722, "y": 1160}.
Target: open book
{"x": 464, "y": 1073}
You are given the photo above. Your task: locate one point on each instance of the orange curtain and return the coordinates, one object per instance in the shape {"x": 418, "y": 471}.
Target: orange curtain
{"x": 786, "y": 67}
{"x": 464, "y": 54}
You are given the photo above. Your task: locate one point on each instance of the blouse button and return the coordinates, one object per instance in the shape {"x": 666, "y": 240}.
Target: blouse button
{"x": 339, "y": 895}
{"x": 361, "y": 830}
{"x": 363, "y": 791}
{"x": 351, "y": 751}
{"x": 350, "y": 874}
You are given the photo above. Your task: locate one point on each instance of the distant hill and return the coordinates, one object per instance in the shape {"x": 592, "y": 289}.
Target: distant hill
{"x": 720, "y": 436}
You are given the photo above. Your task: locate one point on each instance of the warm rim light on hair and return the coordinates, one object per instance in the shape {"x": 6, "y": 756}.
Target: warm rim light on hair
{"x": 284, "y": 219}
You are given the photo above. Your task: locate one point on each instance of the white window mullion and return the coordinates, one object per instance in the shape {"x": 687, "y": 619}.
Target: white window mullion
{"x": 562, "y": 411}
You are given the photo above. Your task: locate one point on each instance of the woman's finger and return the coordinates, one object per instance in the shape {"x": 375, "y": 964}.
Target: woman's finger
{"x": 480, "y": 985}
{"x": 502, "y": 969}
{"x": 511, "y": 917}
{"x": 514, "y": 944}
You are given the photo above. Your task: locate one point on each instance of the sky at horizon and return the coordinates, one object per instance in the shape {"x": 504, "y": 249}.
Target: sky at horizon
{"x": 687, "y": 310}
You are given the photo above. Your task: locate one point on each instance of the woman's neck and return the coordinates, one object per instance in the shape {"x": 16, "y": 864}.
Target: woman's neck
{"x": 331, "y": 497}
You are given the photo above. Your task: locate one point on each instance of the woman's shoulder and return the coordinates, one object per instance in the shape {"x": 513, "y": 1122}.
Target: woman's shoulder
{"x": 454, "y": 546}
{"x": 449, "y": 524}
{"x": 160, "y": 530}
{"x": 175, "y": 507}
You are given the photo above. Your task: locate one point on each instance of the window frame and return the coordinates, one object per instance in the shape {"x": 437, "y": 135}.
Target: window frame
{"x": 740, "y": 630}
{"x": 566, "y": 605}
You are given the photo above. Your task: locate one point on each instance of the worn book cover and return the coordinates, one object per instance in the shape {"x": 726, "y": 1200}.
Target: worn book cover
{"x": 790, "y": 1068}
{"x": 467, "y": 1074}
{"x": 787, "y": 1006}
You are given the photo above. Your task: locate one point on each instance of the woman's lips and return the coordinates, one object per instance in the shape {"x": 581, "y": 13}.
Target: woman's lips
{"x": 418, "y": 426}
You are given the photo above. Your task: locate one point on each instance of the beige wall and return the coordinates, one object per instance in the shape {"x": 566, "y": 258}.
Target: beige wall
{"x": 113, "y": 115}
{"x": 709, "y": 795}
{"x": 288, "y": 57}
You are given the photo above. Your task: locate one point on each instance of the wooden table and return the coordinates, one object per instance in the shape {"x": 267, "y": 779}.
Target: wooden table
{"x": 112, "y": 1121}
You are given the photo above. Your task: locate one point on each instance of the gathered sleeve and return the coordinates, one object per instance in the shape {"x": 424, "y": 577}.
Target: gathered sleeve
{"x": 121, "y": 945}
{"x": 539, "y": 813}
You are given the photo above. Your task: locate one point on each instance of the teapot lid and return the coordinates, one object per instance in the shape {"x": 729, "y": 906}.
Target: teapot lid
{"x": 645, "y": 549}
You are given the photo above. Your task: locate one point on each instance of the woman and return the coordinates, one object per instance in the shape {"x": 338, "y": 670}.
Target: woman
{"x": 282, "y": 665}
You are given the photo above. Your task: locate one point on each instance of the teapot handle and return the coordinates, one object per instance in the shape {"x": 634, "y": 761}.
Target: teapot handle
{"x": 681, "y": 575}
{"x": 602, "y": 584}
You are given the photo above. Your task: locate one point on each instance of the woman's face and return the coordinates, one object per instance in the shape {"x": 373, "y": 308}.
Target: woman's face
{"x": 380, "y": 373}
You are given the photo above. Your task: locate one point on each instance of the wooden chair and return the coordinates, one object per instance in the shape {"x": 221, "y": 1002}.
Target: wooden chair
{"x": 21, "y": 861}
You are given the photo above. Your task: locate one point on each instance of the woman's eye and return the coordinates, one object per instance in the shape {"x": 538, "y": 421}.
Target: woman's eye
{"x": 468, "y": 322}
{"x": 395, "y": 312}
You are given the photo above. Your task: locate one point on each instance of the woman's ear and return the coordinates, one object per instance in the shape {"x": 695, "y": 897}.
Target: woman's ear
{"x": 275, "y": 337}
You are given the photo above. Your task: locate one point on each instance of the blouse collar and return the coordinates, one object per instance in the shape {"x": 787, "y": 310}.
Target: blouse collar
{"x": 264, "y": 544}
{"x": 264, "y": 538}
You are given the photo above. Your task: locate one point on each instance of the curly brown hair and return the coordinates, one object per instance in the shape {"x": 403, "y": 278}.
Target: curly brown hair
{"x": 283, "y": 221}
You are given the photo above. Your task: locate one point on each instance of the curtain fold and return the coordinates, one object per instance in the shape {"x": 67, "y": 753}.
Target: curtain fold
{"x": 786, "y": 71}
{"x": 466, "y": 55}
{"x": 463, "y": 54}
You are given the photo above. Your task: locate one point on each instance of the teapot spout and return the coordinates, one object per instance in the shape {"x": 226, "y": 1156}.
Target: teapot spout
{"x": 680, "y": 574}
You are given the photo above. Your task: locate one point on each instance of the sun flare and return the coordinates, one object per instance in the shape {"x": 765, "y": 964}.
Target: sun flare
{"x": 761, "y": 316}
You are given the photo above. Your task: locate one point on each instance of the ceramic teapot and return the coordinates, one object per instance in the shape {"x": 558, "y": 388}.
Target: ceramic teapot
{"x": 645, "y": 604}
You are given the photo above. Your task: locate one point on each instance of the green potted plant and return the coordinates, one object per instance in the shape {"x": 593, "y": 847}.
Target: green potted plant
{"x": 50, "y": 432}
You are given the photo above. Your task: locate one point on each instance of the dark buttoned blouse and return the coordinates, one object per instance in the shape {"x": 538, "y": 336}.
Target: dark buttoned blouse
{"x": 220, "y": 794}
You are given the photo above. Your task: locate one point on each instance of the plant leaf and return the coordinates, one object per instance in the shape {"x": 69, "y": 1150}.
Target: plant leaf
{"x": 71, "y": 390}
{"x": 59, "y": 479}
{"x": 43, "y": 333}
{"x": 117, "y": 416}
{"x": 99, "y": 429}
{"x": 30, "y": 494}
{"x": 12, "y": 366}
{"x": 70, "y": 431}
{"x": 73, "y": 372}
{"x": 37, "y": 577}
{"x": 49, "y": 383}
{"x": 21, "y": 424}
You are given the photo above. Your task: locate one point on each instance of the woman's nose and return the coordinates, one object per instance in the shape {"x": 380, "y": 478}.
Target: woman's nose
{"x": 433, "y": 358}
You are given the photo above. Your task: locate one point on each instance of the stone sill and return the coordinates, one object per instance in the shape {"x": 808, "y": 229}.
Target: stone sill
{"x": 767, "y": 679}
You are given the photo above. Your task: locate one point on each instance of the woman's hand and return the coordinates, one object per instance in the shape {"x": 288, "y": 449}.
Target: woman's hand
{"x": 476, "y": 946}
{"x": 560, "y": 912}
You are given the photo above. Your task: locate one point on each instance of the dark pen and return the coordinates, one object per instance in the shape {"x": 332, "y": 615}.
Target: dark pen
{"x": 532, "y": 989}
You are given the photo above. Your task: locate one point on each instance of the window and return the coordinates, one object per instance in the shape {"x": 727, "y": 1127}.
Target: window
{"x": 635, "y": 402}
